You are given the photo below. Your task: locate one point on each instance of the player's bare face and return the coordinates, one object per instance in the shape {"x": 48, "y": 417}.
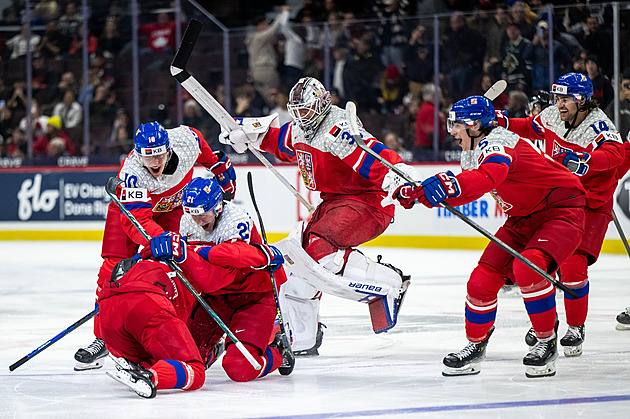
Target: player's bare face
{"x": 155, "y": 164}
{"x": 566, "y": 106}
{"x": 205, "y": 221}
{"x": 459, "y": 132}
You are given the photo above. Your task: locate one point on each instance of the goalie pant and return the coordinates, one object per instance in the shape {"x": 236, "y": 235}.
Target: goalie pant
{"x": 155, "y": 203}
{"x": 143, "y": 319}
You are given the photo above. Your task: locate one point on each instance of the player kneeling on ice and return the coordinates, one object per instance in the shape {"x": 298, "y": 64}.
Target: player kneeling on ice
{"x": 544, "y": 203}
{"x": 356, "y": 207}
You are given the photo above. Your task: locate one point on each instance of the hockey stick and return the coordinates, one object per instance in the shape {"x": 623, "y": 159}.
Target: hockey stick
{"x": 621, "y": 233}
{"x": 110, "y": 188}
{"x": 55, "y": 339}
{"x": 495, "y": 90}
{"x": 210, "y": 104}
{"x": 283, "y": 331}
{"x": 351, "y": 115}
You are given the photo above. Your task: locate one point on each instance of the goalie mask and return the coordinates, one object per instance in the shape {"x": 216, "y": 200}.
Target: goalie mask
{"x": 309, "y": 102}
{"x": 203, "y": 195}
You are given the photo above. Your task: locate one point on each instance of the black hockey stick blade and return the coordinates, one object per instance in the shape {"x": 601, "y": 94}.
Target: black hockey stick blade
{"x": 112, "y": 184}
{"x": 185, "y": 49}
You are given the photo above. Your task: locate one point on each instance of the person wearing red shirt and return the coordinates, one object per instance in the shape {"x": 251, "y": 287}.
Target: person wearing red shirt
{"x": 425, "y": 126}
{"x": 544, "y": 204}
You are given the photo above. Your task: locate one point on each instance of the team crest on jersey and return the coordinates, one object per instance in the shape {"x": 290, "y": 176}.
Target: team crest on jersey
{"x": 169, "y": 203}
{"x": 557, "y": 148}
{"x": 305, "y": 164}
{"x": 504, "y": 205}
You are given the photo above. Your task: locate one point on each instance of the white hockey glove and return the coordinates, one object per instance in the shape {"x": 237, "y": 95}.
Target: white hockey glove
{"x": 252, "y": 132}
{"x": 392, "y": 181}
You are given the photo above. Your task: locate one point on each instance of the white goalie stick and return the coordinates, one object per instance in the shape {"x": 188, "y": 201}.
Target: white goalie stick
{"x": 210, "y": 104}
{"x": 351, "y": 115}
{"x": 110, "y": 188}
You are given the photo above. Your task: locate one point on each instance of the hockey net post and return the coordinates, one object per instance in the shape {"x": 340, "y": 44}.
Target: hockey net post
{"x": 351, "y": 115}
{"x": 283, "y": 332}
{"x": 49, "y": 342}
{"x": 212, "y": 106}
{"x": 112, "y": 184}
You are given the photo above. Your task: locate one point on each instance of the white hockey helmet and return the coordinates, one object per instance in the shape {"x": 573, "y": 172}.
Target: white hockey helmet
{"x": 309, "y": 102}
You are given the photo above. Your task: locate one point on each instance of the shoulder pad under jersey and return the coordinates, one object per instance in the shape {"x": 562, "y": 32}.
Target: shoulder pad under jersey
{"x": 595, "y": 123}
{"x": 234, "y": 224}
{"x": 495, "y": 143}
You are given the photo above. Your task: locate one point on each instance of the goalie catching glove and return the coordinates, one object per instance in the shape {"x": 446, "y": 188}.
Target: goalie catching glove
{"x": 576, "y": 162}
{"x": 166, "y": 246}
{"x": 251, "y": 132}
{"x": 433, "y": 191}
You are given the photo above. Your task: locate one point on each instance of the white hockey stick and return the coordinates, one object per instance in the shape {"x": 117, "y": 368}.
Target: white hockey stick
{"x": 351, "y": 115}
{"x": 210, "y": 104}
{"x": 495, "y": 90}
{"x": 110, "y": 188}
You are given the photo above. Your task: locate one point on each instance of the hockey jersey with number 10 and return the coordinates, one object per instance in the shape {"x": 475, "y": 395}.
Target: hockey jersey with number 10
{"x": 331, "y": 162}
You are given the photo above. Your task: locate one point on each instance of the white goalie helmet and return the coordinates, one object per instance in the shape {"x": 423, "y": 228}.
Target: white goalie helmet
{"x": 309, "y": 102}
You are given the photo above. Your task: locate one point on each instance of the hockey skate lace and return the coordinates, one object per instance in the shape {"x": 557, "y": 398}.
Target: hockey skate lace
{"x": 574, "y": 332}
{"x": 95, "y": 347}
{"x": 467, "y": 351}
{"x": 539, "y": 349}
{"x": 627, "y": 311}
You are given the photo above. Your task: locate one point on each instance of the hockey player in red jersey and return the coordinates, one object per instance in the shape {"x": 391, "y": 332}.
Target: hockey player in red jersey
{"x": 154, "y": 176}
{"x": 581, "y": 137}
{"x": 544, "y": 203}
{"x": 357, "y": 207}
{"x": 228, "y": 264}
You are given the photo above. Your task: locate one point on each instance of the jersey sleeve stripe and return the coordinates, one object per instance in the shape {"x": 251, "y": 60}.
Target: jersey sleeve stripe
{"x": 496, "y": 158}
{"x": 135, "y": 206}
{"x": 369, "y": 161}
{"x": 283, "y": 139}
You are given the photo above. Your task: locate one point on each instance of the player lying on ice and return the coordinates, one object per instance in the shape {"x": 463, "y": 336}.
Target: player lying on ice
{"x": 155, "y": 172}
{"x": 159, "y": 334}
{"x": 580, "y": 136}
{"x": 356, "y": 207}
{"x": 544, "y": 203}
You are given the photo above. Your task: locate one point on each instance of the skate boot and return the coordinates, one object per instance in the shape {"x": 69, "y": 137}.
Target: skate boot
{"x": 92, "y": 357}
{"x": 530, "y": 336}
{"x": 218, "y": 349}
{"x": 572, "y": 341}
{"x": 134, "y": 376}
{"x": 541, "y": 360}
{"x": 318, "y": 342}
{"x": 623, "y": 320}
{"x": 466, "y": 361}
{"x": 281, "y": 343}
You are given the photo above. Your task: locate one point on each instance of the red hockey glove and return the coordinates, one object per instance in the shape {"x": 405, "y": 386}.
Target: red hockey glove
{"x": 225, "y": 174}
{"x": 407, "y": 194}
{"x": 502, "y": 118}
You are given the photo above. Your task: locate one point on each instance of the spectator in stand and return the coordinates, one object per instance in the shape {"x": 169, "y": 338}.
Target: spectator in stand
{"x": 161, "y": 35}
{"x": 351, "y": 29}
{"x": 110, "y": 42}
{"x": 393, "y": 141}
{"x": 57, "y": 148}
{"x": 391, "y": 36}
{"x": 579, "y": 62}
{"x": 53, "y": 43}
{"x": 418, "y": 61}
{"x": 69, "y": 110}
{"x": 263, "y": 61}
{"x": 17, "y": 144}
{"x": 465, "y": 48}
{"x": 598, "y": 41}
{"x": 575, "y": 18}
{"x": 293, "y": 62}
{"x": 602, "y": 87}
{"x": 76, "y": 43}
{"x": 43, "y": 79}
{"x": 121, "y": 139}
{"x": 244, "y": 103}
{"x": 282, "y": 99}
{"x": 102, "y": 107}
{"x": 392, "y": 91}
{"x": 624, "y": 106}
{"x": 516, "y": 59}
{"x": 425, "y": 127}
{"x": 340, "y": 55}
{"x": 70, "y": 20}
{"x": 335, "y": 29}
{"x": 409, "y": 122}
{"x": 518, "y": 16}
{"x": 496, "y": 38}
{"x": 53, "y": 130}
{"x": 68, "y": 81}
{"x": 540, "y": 58}
{"x": 46, "y": 10}
{"x": 38, "y": 121}
{"x": 517, "y": 104}
{"x": 360, "y": 74}
{"x": 18, "y": 43}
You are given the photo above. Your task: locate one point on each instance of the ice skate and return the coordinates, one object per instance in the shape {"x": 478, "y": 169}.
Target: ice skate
{"x": 217, "y": 351}
{"x": 541, "y": 360}
{"x": 91, "y": 357}
{"x": 623, "y": 320}
{"x": 468, "y": 360}
{"x": 572, "y": 341}
{"x": 318, "y": 342}
{"x": 530, "y": 336}
{"x": 288, "y": 358}
{"x": 134, "y": 376}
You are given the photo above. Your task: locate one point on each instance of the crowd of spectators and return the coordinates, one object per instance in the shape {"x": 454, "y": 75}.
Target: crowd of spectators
{"x": 382, "y": 55}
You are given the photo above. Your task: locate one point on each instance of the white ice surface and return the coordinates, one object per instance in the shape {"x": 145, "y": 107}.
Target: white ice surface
{"x": 47, "y": 286}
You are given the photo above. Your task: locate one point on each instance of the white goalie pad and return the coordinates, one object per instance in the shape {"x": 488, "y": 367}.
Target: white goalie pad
{"x": 251, "y": 132}
{"x": 300, "y": 312}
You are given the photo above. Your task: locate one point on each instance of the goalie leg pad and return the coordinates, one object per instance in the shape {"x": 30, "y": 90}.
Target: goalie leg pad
{"x": 300, "y": 311}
